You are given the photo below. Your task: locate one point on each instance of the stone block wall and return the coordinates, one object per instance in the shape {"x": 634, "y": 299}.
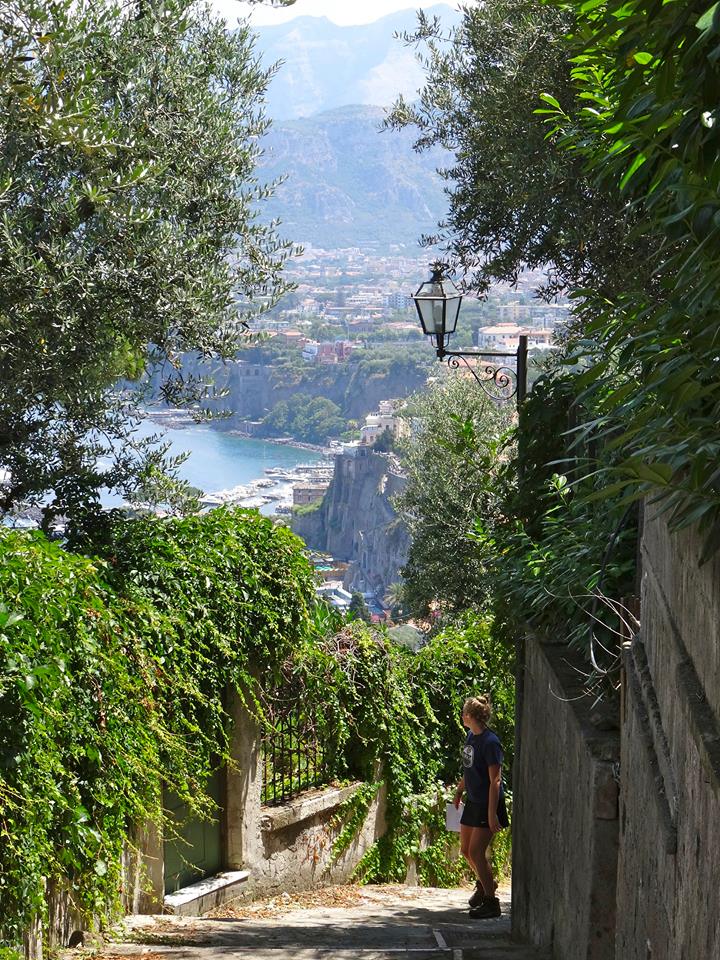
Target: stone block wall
{"x": 288, "y": 847}
{"x": 297, "y": 842}
{"x": 670, "y": 798}
{"x": 565, "y": 818}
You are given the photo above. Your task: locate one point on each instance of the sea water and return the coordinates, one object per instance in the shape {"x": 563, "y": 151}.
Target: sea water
{"x": 218, "y": 460}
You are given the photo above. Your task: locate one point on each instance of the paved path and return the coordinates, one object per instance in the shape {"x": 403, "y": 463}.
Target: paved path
{"x": 384, "y": 923}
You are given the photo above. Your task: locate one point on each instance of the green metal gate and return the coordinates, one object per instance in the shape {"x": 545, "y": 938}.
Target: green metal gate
{"x": 197, "y": 852}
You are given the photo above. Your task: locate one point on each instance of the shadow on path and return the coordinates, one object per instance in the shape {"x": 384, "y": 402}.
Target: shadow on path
{"x": 431, "y": 925}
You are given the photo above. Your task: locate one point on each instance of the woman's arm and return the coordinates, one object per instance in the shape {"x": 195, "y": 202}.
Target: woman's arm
{"x": 495, "y": 774}
{"x": 459, "y": 791}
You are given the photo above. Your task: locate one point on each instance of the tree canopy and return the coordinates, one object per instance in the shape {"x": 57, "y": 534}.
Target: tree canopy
{"x": 307, "y": 418}
{"x": 649, "y": 74}
{"x": 129, "y": 229}
{"x": 451, "y": 459}
{"x": 515, "y": 199}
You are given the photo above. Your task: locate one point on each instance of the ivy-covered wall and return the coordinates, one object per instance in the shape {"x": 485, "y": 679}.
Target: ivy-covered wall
{"x": 112, "y": 679}
{"x": 115, "y": 661}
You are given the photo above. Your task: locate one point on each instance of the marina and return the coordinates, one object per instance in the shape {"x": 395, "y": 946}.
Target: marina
{"x": 272, "y": 493}
{"x": 230, "y": 469}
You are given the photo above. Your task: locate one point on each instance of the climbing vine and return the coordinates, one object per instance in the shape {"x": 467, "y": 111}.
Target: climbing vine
{"x": 115, "y": 659}
{"x": 113, "y": 674}
{"x": 396, "y": 718}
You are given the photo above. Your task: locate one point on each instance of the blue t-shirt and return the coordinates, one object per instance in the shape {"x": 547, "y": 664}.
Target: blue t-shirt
{"x": 481, "y": 750}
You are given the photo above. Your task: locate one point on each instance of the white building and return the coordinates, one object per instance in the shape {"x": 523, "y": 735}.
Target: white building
{"x": 505, "y": 338}
{"x": 385, "y": 419}
{"x": 334, "y": 592}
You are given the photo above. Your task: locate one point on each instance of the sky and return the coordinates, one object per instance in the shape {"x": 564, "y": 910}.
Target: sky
{"x": 342, "y": 12}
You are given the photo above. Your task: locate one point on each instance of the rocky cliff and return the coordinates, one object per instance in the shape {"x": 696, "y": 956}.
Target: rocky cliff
{"x": 254, "y": 388}
{"x": 350, "y": 183}
{"x": 357, "y": 522}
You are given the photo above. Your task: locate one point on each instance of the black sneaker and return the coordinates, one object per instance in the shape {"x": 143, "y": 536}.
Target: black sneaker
{"x": 487, "y": 910}
{"x": 478, "y": 896}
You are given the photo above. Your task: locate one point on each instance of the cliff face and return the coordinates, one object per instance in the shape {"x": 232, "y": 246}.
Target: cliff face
{"x": 254, "y": 388}
{"x": 356, "y": 521}
{"x": 349, "y": 183}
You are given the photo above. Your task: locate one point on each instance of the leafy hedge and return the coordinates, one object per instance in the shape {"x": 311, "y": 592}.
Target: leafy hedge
{"x": 392, "y": 710}
{"x": 112, "y": 678}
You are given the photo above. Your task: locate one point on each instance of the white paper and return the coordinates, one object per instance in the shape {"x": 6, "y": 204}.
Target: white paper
{"x": 452, "y": 817}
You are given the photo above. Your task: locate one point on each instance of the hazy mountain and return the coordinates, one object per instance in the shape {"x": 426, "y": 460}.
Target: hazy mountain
{"x": 328, "y": 66}
{"x": 349, "y": 183}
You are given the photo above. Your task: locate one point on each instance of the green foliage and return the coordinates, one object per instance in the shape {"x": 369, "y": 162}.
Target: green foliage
{"x": 303, "y": 509}
{"x": 509, "y": 522}
{"x": 559, "y": 565}
{"x": 395, "y": 598}
{"x": 128, "y": 228}
{"x": 395, "y": 715}
{"x": 306, "y": 418}
{"x": 358, "y": 608}
{"x": 386, "y": 442}
{"x": 8, "y": 953}
{"x": 516, "y": 199}
{"x": 351, "y": 815}
{"x": 452, "y": 460}
{"x": 114, "y": 674}
{"x": 648, "y": 73}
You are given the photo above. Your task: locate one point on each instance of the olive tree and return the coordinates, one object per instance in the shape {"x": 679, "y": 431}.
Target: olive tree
{"x": 130, "y": 231}
{"x": 515, "y": 199}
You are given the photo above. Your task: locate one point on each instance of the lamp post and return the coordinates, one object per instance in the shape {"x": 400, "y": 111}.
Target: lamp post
{"x": 438, "y": 305}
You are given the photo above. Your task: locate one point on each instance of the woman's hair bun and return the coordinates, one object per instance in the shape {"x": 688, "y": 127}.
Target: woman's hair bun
{"x": 479, "y": 708}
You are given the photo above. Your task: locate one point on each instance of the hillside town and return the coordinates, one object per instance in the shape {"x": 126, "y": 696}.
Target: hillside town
{"x": 366, "y": 295}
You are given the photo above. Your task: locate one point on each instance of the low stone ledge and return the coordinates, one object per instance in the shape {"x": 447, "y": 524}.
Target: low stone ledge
{"x": 198, "y": 898}
{"x": 304, "y": 807}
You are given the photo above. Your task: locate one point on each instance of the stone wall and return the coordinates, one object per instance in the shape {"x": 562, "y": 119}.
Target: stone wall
{"x": 288, "y": 847}
{"x": 565, "y": 817}
{"x": 670, "y": 797}
{"x": 266, "y": 850}
{"x": 663, "y": 901}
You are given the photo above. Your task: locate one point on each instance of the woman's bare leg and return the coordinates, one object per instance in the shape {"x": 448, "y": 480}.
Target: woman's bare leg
{"x": 466, "y": 847}
{"x": 479, "y": 841}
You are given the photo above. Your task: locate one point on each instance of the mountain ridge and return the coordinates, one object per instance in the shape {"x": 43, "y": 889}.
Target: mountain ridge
{"x": 326, "y": 65}
{"x": 349, "y": 183}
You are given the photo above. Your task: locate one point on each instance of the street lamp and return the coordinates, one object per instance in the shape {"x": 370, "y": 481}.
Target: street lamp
{"x": 438, "y": 305}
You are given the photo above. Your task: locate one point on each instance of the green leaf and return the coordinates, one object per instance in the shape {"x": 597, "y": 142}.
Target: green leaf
{"x": 639, "y": 160}
{"x": 548, "y": 98}
{"x": 710, "y": 19}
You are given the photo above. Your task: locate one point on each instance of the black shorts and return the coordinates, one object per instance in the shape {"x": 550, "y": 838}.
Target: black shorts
{"x": 476, "y": 814}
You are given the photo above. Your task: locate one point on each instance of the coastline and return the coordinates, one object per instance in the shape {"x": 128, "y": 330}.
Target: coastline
{"x": 285, "y": 442}
{"x": 178, "y": 419}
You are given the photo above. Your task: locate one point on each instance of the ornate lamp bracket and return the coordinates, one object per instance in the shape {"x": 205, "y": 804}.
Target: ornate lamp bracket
{"x": 501, "y": 381}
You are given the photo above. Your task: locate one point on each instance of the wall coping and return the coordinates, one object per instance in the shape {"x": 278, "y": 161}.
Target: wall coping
{"x": 196, "y": 898}
{"x": 568, "y": 665}
{"x": 305, "y": 806}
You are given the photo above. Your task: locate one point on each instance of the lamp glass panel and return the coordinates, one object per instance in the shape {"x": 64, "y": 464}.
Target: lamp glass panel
{"x": 452, "y": 313}
{"x": 431, "y": 315}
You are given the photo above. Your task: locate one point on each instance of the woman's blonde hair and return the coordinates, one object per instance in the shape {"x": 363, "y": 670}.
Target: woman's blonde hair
{"x": 479, "y": 708}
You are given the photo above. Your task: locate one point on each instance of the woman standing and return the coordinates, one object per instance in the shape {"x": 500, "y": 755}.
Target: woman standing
{"x": 484, "y": 813}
